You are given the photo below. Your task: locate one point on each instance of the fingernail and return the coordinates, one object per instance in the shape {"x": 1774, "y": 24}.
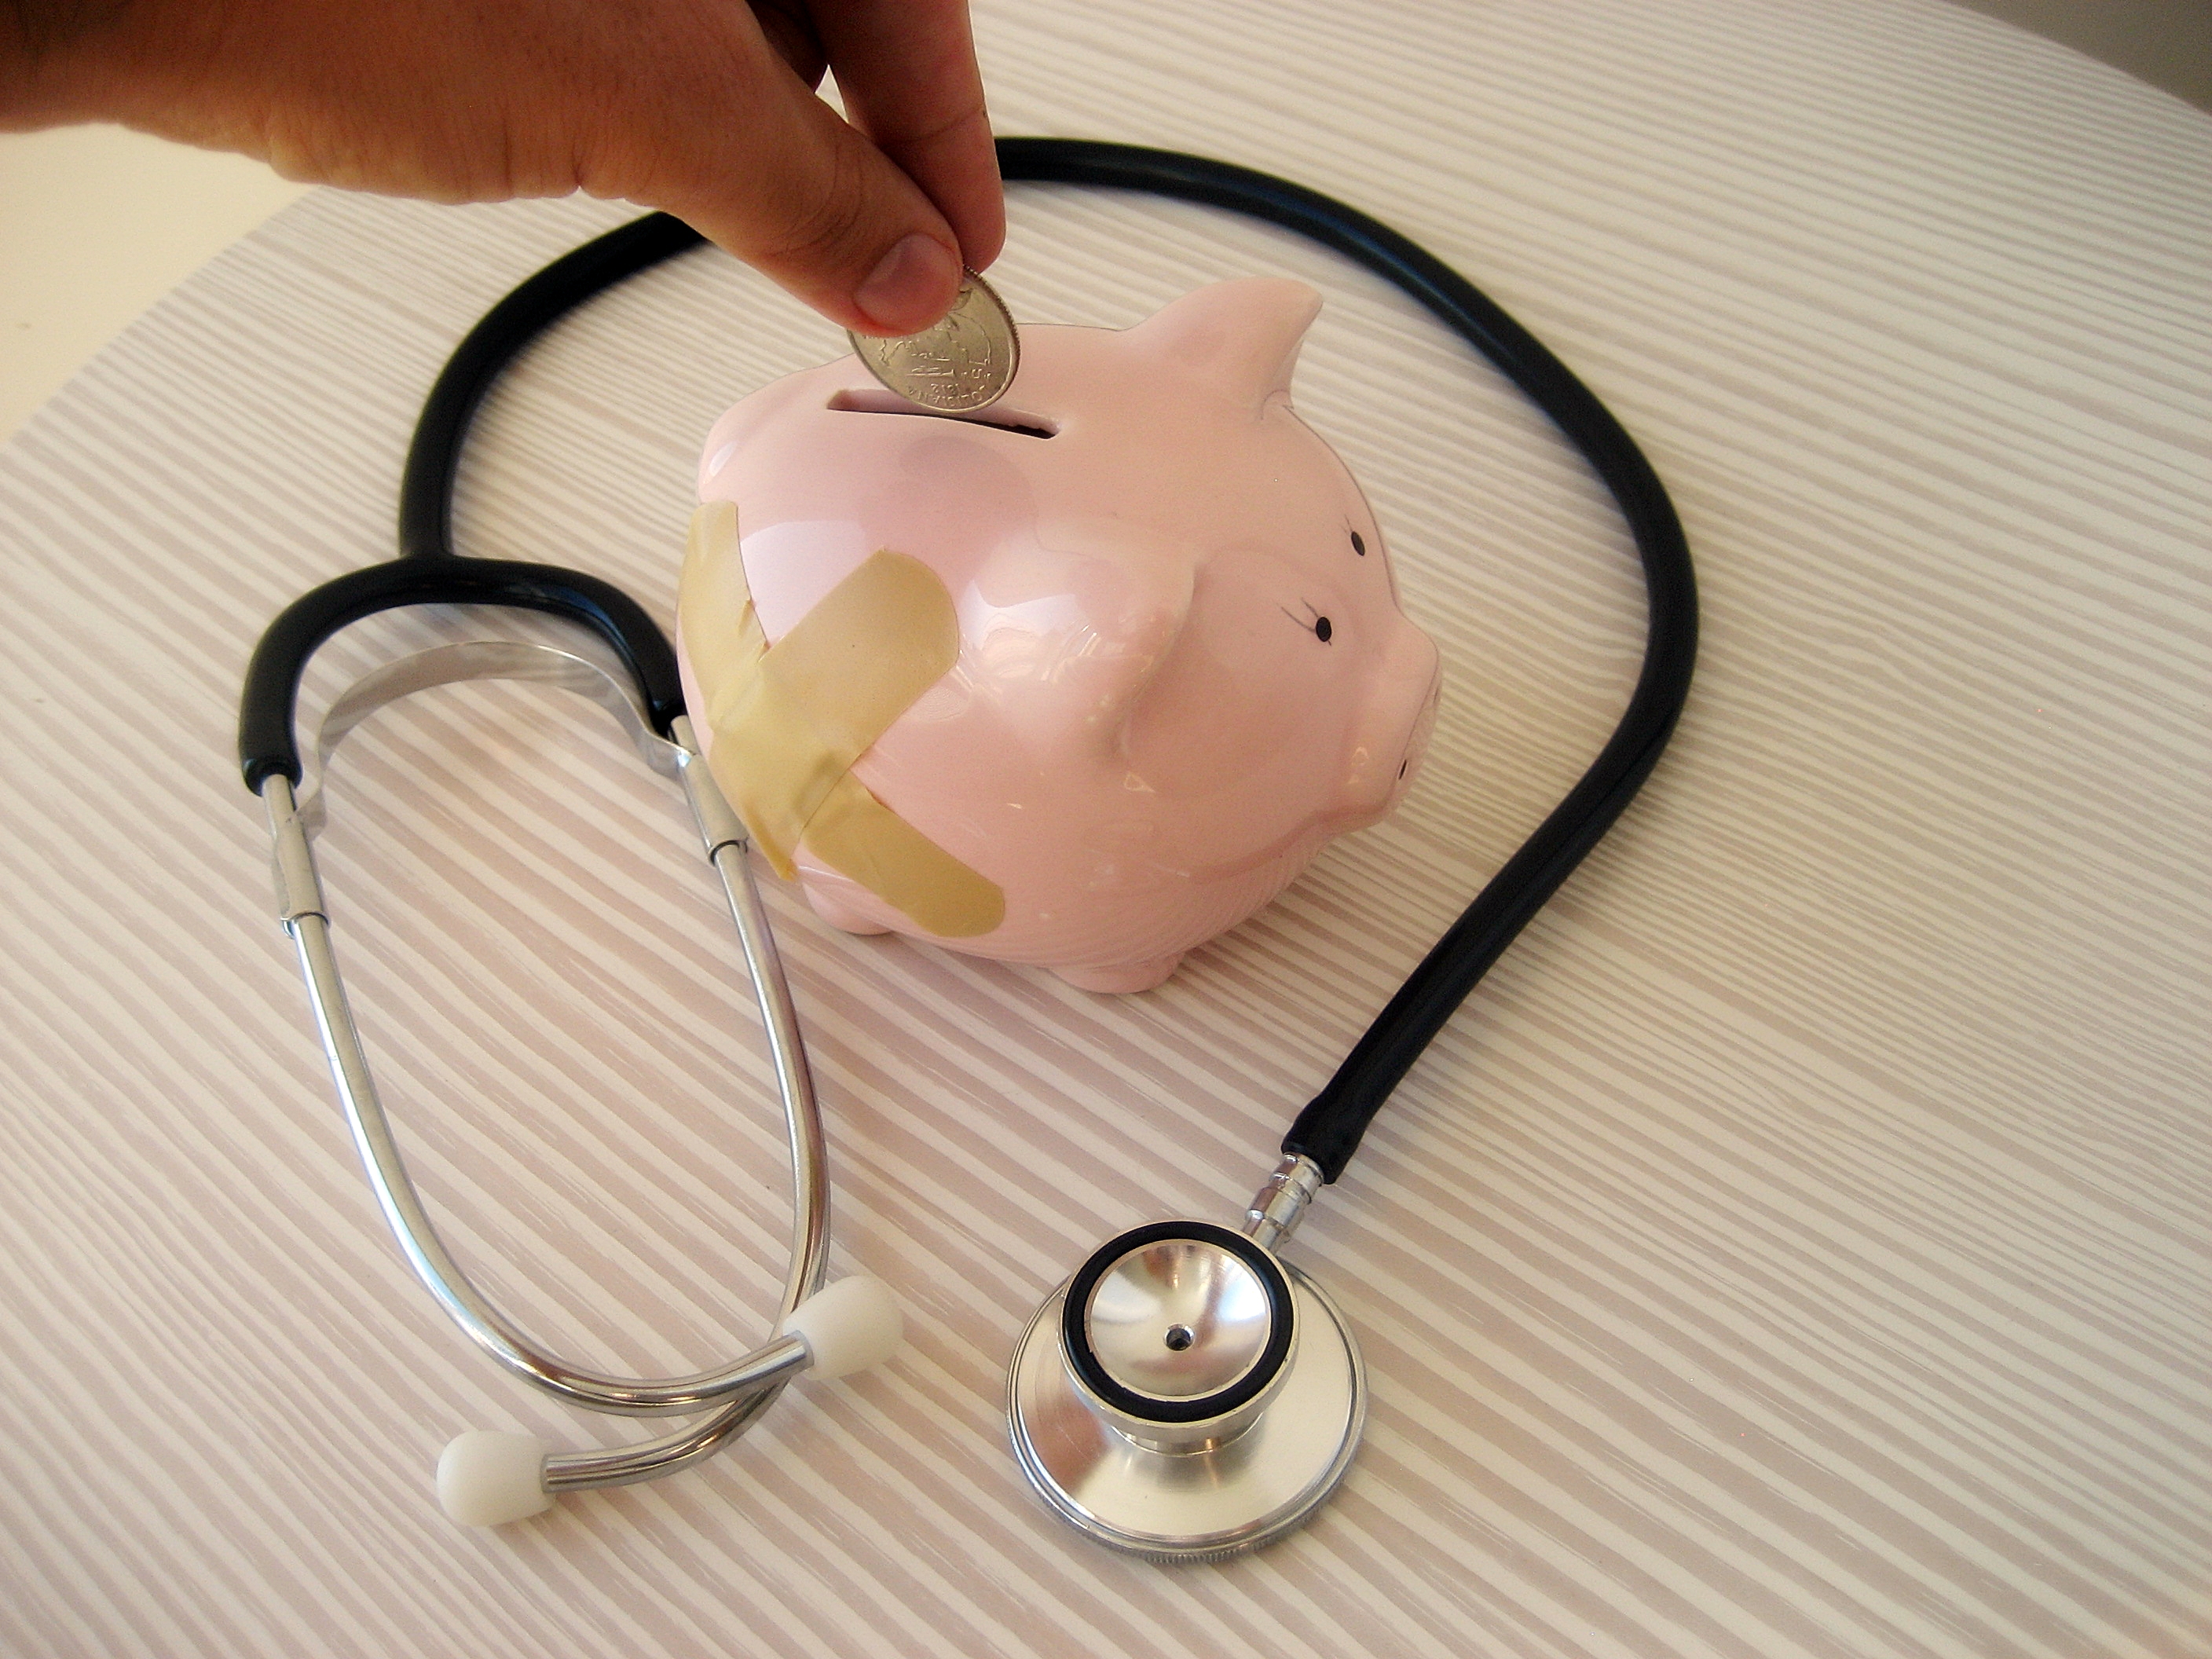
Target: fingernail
{"x": 911, "y": 287}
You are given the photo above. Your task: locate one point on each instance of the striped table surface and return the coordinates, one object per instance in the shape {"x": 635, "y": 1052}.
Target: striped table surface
{"x": 1798, "y": 1246}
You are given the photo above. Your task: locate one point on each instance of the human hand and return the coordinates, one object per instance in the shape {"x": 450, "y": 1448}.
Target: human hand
{"x": 705, "y": 108}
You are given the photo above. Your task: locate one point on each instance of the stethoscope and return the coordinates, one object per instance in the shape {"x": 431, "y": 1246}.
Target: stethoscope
{"x": 1188, "y": 1393}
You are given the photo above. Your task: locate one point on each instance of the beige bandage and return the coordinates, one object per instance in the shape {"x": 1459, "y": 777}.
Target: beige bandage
{"x": 789, "y": 719}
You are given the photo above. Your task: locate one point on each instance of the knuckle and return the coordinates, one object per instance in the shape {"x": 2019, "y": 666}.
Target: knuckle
{"x": 829, "y": 224}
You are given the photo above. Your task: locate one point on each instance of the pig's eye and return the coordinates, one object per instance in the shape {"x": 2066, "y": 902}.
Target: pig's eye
{"x": 1358, "y": 544}
{"x": 1321, "y": 630}
{"x": 1321, "y": 627}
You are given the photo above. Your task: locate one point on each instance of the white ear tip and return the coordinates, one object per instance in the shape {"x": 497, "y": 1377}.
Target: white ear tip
{"x": 848, "y": 1326}
{"x": 487, "y": 1479}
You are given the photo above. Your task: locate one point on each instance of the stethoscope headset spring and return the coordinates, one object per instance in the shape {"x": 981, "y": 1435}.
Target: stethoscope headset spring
{"x": 1224, "y": 1463}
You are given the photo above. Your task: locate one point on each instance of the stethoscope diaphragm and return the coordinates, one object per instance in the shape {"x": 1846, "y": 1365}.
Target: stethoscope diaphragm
{"x": 1185, "y": 1396}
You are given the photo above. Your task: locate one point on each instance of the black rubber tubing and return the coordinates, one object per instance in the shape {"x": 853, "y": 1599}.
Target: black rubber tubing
{"x": 1329, "y": 1128}
{"x": 427, "y": 571}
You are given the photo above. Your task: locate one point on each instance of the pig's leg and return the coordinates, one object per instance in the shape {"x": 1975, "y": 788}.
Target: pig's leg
{"x": 1121, "y": 975}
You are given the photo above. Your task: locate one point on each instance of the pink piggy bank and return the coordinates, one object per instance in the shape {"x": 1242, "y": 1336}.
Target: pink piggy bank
{"x": 1081, "y": 679}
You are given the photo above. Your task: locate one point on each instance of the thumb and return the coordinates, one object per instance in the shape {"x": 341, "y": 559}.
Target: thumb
{"x": 786, "y": 185}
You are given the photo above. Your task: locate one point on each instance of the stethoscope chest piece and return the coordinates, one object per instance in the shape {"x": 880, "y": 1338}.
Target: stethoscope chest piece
{"x": 1185, "y": 1396}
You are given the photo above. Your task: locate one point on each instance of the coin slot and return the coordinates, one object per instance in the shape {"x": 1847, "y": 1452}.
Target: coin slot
{"x": 871, "y": 402}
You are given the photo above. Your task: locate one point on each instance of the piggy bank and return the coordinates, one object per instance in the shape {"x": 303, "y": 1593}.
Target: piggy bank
{"x": 1081, "y": 679}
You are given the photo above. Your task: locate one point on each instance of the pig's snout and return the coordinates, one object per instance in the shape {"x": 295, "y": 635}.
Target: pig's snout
{"x": 1416, "y": 742}
{"x": 1394, "y": 734}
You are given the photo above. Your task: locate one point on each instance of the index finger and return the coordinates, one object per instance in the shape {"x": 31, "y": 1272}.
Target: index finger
{"x": 908, "y": 71}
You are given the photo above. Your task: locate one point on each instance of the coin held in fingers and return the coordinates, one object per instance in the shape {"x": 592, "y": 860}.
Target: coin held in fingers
{"x": 965, "y": 362}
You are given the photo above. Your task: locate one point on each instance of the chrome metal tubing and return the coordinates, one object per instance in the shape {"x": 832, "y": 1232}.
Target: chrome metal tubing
{"x": 1275, "y": 1211}
{"x": 736, "y": 1394}
{"x": 724, "y": 836}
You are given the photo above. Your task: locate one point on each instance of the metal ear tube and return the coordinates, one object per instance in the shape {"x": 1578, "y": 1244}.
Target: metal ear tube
{"x": 487, "y": 1478}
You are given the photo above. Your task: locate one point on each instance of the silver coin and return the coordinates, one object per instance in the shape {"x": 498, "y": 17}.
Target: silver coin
{"x": 964, "y": 362}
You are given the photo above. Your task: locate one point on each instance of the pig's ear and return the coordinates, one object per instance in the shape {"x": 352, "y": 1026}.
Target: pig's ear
{"x": 1241, "y": 336}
